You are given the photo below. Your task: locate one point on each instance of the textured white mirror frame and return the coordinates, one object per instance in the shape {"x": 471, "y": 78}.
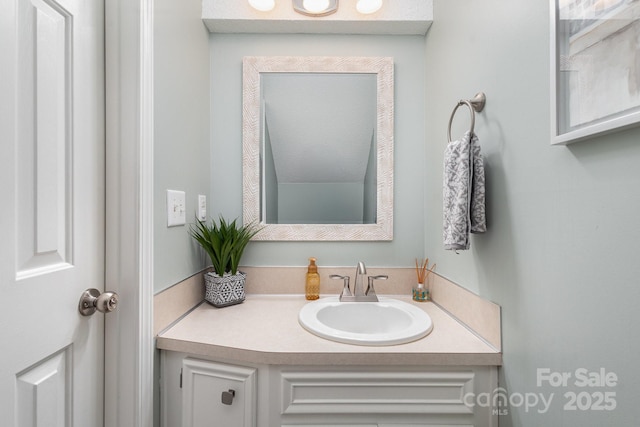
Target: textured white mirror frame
{"x": 382, "y": 67}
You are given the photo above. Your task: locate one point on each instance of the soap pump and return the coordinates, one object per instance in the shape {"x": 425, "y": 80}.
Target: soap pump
{"x": 312, "y": 285}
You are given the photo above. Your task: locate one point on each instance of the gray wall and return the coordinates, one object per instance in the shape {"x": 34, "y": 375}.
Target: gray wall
{"x": 561, "y": 252}
{"x": 227, "y": 51}
{"x": 181, "y": 132}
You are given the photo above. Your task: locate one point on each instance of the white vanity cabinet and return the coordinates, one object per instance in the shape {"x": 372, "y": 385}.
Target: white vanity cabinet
{"x": 319, "y": 396}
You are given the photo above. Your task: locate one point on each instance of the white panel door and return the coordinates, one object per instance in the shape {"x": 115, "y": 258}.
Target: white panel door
{"x": 51, "y": 212}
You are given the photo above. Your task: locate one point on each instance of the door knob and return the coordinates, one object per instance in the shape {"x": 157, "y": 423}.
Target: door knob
{"x": 92, "y": 300}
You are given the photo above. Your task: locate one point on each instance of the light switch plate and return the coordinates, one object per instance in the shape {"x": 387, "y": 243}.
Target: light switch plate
{"x": 176, "y": 208}
{"x": 202, "y": 207}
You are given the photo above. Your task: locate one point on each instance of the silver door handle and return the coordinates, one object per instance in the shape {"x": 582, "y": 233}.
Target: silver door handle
{"x": 92, "y": 300}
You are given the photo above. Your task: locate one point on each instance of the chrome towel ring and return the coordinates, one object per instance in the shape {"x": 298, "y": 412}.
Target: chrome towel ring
{"x": 476, "y": 104}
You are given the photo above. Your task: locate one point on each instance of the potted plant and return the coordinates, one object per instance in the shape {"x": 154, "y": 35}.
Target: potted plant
{"x": 224, "y": 242}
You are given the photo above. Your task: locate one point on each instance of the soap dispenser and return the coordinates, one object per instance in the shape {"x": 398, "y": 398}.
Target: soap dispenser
{"x": 312, "y": 285}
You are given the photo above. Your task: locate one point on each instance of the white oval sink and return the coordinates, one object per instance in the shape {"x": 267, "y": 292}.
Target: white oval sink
{"x": 387, "y": 322}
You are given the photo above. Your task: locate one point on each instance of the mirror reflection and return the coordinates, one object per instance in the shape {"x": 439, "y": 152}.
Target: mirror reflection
{"x": 318, "y": 147}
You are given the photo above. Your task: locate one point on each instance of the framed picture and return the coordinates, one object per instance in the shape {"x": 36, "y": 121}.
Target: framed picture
{"x": 595, "y": 68}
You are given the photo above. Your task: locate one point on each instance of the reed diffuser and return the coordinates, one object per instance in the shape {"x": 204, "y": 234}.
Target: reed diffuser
{"x": 421, "y": 292}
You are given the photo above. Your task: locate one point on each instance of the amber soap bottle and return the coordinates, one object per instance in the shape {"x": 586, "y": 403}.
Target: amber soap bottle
{"x": 312, "y": 285}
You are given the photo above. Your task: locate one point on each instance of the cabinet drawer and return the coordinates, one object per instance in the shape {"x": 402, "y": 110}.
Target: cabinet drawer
{"x": 376, "y": 392}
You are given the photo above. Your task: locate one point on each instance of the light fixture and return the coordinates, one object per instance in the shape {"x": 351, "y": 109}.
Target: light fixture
{"x": 318, "y": 7}
{"x": 368, "y": 6}
{"x": 315, "y": 7}
{"x": 262, "y": 5}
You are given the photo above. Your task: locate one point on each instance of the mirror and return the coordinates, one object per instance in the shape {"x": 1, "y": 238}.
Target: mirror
{"x": 318, "y": 147}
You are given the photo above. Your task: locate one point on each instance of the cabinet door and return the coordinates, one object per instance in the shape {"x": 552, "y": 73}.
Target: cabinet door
{"x": 215, "y": 394}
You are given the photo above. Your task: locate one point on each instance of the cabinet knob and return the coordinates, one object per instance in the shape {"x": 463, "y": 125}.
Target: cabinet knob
{"x": 227, "y": 397}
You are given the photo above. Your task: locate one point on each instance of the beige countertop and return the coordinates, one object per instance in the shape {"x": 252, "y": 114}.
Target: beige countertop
{"x": 265, "y": 330}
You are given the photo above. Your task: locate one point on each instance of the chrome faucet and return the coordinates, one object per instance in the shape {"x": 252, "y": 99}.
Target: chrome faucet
{"x": 361, "y": 270}
{"x": 359, "y": 294}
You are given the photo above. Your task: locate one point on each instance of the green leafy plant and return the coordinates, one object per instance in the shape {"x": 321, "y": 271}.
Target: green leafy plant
{"x": 224, "y": 242}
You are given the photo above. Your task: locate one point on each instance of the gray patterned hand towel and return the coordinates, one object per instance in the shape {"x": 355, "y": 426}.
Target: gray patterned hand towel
{"x": 463, "y": 192}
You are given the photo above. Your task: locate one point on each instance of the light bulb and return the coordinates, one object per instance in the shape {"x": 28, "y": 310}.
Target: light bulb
{"x": 368, "y": 6}
{"x": 263, "y": 5}
{"x": 315, "y": 6}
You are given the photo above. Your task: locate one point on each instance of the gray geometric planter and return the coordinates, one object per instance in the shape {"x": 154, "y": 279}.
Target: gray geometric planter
{"x": 226, "y": 290}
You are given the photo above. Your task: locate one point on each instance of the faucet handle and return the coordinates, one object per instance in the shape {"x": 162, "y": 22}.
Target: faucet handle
{"x": 370, "y": 288}
{"x": 346, "y": 292}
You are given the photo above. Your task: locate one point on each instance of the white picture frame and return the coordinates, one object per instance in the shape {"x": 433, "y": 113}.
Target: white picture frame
{"x": 595, "y": 82}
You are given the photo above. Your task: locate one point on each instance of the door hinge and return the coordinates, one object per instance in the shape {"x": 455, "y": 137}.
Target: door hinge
{"x": 180, "y": 378}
